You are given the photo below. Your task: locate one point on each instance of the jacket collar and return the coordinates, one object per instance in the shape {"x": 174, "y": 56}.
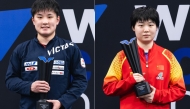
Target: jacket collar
{"x": 151, "y": 52}
{"x": 52, "y": 40}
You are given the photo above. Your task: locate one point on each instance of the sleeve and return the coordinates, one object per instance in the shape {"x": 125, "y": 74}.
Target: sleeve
{"x": 113, "y": 84}
{"x": 176, "y": 89}
{"x": 13, "y": 78}
{"x": 79, "y": 82}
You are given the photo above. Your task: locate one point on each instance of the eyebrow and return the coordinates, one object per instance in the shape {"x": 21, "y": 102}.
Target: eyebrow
{"x": 140, "y": 21}
{"x": 150, "y": 22}
{"x": 144, "y": 21}
{"x": 38, "y": 14}
{"x": 41, "y": 14}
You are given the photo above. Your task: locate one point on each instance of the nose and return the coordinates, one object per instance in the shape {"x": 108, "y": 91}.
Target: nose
{"x": 146, "y": 28}
{"x": 45, "y": 21}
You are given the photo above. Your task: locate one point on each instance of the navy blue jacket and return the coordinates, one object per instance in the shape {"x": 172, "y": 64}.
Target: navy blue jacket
{"x": 22, "y": 71}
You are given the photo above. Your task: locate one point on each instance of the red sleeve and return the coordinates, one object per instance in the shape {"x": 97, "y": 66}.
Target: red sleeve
{"x": 176, "y": 89}
{"x": 113, "y": 82}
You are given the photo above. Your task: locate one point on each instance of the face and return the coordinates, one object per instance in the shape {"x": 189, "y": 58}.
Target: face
{"x": 45, "y": 23}
{"x": 145, "y": 31}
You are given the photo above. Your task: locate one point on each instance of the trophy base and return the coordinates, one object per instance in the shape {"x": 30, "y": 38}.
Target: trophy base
{"x": 142, "y": 88}
{"x": 43, "y": 104}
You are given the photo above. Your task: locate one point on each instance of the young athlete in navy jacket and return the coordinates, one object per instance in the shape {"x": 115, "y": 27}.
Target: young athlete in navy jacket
{"x": 22, "y": 73}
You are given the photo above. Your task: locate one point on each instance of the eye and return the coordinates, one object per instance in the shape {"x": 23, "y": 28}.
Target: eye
{"x": 151, "y": 25}
{"x": 39, "y": 17}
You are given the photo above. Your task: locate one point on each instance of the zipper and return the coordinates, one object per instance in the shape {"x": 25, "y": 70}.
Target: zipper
{"x": 146, "y": 105}
{"x": 146, "y": 64}
{"x": 146, "y": 58}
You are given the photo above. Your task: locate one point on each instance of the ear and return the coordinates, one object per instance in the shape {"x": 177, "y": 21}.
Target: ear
{"x": 33, "y": 20}
{"x": 58, "y": 19}
{"x": 133, "y": 28}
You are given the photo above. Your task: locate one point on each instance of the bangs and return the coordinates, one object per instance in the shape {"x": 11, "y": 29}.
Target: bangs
{"x": 45, "y": 5}
{"x": 144, "y": 14}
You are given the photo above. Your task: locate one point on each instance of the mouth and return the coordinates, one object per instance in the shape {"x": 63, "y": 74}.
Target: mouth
{"x": 146, "y": 35}
{"x": 44, "y": 27}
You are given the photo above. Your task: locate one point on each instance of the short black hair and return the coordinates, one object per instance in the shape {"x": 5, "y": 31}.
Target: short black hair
{"x": 42, "y": 5}
{"x": 144, "y": 14}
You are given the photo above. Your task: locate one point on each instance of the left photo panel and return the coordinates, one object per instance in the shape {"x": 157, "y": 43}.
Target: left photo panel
{"x": 47, "y": 54}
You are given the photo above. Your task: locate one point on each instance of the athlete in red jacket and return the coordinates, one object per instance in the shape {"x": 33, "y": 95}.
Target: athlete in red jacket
{"x": 160, "y": 68}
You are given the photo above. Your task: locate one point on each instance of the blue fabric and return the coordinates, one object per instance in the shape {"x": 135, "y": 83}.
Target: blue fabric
{"x": 61, "y": 87}
{"x": 146, "y": 56}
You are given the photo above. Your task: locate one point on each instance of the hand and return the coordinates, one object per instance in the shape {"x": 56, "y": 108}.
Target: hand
{"x": 40, "y": 87}
{"x": 138, "y": 77}
{"x": 149, "y": 97}
{"x": 56, "y": 104}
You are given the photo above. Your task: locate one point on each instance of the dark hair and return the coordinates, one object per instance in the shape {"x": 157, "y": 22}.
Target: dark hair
{"x": 42, "y": 5}
{"x": 144, "y": 14}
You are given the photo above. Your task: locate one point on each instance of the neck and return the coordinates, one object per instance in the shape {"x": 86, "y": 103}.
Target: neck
{"x": 45, "y": 39}
{"x": 145, "y": 46}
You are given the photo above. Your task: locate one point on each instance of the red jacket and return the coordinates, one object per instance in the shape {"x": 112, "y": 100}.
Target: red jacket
{"x": 163, "y": 72}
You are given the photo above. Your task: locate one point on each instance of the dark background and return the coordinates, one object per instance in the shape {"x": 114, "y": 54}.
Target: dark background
{"x": 114, "y": 26}
{"x": 10, "y": 100}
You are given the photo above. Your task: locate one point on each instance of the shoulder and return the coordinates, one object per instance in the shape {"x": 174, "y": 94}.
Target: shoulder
{"x": 70, "y": 47}
{"x": 169, "y": 55}
{"x": 67, "y": 42}
{"x": 120, "y": 55}
{"x": 166, "y": 53}
{"x": 22, "y": 46}
{"x": 162, "y": 50}
{"x": 158, "y": 48}
{"x": 63, "y": 40}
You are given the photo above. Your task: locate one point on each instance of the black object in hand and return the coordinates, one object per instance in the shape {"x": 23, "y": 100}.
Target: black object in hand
{"x": 131, "y": 51}
{"x": 44, "y": 69}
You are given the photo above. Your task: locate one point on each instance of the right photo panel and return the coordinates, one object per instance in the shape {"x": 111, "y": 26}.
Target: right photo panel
{"x": 142, "y": 54}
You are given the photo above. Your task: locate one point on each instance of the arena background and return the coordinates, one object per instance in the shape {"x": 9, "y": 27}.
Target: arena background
{"x": 113, "y": 25}
{"x": 77, "y": 24}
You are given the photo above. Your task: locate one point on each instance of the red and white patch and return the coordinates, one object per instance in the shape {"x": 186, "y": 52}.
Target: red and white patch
{"x": 57, "y": 72}
{"x": 32, "y": 68}
{"x": 82, "y": 62}
{"x": 57, "y": 67}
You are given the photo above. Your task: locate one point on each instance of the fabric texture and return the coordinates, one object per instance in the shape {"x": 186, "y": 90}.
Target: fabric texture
{"x": 163, "y": 72}
{"x": 22, "y": 71}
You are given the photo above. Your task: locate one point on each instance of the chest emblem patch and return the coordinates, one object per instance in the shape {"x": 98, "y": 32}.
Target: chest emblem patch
{"x": 160, "y": 76}
{"x": 82, "y": 63}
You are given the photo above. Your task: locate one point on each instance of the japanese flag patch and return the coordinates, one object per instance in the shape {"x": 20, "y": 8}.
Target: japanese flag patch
{"x": 82, "y": 63}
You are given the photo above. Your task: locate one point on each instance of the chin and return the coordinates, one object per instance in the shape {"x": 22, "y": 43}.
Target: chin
{"x": 45, "y": 34}
{"x": 147, "y": 41}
